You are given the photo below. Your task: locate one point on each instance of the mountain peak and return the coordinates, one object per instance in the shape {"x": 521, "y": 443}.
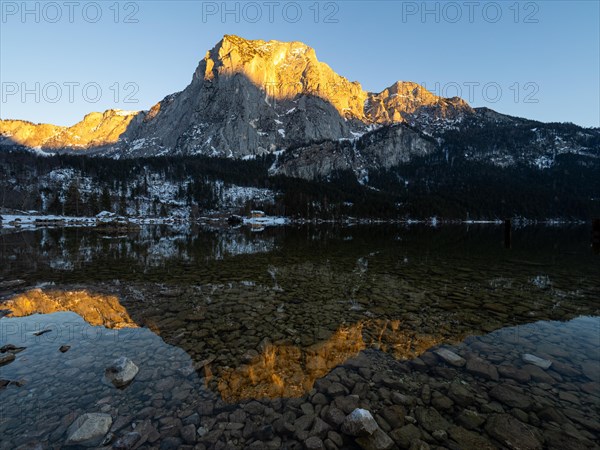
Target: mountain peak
{"x": 259, "y": 45}
{"x": 249, "y": 97}
{"x": 283, "y": 70}
{"x": 236, "y": 54}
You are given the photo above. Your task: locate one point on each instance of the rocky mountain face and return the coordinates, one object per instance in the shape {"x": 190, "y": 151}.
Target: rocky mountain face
{"x": 481, "y": 137}
{"x": 246, "y": 98}
{"x": 95, "y": 130}
{"x": 249, "y": 98}
{"x": 380, "y": 149}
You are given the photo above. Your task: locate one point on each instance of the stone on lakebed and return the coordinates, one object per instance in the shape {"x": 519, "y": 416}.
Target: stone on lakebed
{"x": 536, "y": 360}
{"x": 121, "y": 372}
{"x": 450, "y": 357}
{"x": 358, "y": 423}
{"x": 89, "y": 429}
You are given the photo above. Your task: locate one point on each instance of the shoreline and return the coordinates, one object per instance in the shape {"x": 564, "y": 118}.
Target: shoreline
{"x": 35, "y": 221}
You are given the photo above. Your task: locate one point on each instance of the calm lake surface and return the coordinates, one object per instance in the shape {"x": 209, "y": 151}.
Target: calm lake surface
{"x": 254, "y": 338}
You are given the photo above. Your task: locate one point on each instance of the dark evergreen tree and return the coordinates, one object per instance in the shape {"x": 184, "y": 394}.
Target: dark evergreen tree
{"x": 73, "y": 205}
{"x": 92, "y": 206}
{"x": 105, "y": 200}
{"x": 163, "y": 210}
{"x": 122, "y": 205}
{"x": 55, "y": 206}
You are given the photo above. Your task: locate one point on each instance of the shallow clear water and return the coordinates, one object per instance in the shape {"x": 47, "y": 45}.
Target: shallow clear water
{"x": 226, "y": 316}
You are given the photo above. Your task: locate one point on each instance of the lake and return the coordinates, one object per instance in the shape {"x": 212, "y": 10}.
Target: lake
{"x": 269, "y": 338}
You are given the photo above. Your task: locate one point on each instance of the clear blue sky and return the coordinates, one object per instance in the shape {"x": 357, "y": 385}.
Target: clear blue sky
{"x": 546, "y": 51}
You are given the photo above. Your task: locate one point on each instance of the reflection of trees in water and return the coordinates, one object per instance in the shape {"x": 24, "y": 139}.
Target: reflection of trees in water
{"x": 300, "y": 288}
{"x": 72, "y": 249}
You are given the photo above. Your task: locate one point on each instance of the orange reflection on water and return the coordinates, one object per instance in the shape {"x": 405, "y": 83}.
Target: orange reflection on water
{"x": 288, "y": 370}
{"x": 391, "y": 338}
{"x": 95, "y": 309}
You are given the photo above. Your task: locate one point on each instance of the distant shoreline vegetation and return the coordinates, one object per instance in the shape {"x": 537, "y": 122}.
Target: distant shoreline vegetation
{"x": 193, "y": 186}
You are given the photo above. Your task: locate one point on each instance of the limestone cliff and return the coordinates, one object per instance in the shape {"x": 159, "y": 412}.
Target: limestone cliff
{"x": 247, "y": 97}
{"x": 380, "y": 149}
{"x": 95, "y": 130}
{"x": 406, "y": 101}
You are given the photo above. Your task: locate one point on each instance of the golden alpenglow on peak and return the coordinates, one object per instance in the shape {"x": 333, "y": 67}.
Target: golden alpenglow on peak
{"x": 285, "y": 70}
{"x": 96, "y": 129}
{"x": 239, "y": 84}
{"x": 405, "y": 98}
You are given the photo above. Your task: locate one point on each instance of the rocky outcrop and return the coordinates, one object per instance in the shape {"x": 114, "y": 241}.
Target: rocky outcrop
{"x": 380, "y": 149}
{"x": 407, "y": 101}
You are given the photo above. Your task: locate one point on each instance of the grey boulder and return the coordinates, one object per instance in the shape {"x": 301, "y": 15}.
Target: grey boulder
{"x": 89, "y": 429}
{"x": 121, "y": 372}
{"x": 358, "y": 423}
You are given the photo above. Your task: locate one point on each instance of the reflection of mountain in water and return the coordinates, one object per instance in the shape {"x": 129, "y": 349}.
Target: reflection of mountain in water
{"x": 256, "y": 341}
{"x": 236, "y": 243}
{"x": 291, "y": 371}
{"x": 271, "y": 323}
{"x": 96, "y": 309}
{"x": 73, "y": 251}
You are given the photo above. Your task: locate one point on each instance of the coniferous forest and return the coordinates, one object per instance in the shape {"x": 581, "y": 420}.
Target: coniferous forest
{"x": 444, "y": 185}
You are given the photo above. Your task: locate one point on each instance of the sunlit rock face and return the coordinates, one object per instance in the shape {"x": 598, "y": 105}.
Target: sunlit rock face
{"x": 246, "y": 97}
{"x": 95, "y": 130}
{"x": 95, "y": 309}
{"x": 285, "y": 70}
{"x": 251, "y": 98}
{"x": 404, "y": 101}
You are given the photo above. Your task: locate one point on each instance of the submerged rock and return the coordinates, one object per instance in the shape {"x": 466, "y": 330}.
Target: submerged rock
{"x": 450, "y": 357}
{"x": 511, "y": 396}
{"x": 394, "y": 415}
{"x": 89, "y": 429}
{"x": 513, "y": 433}
{"x": 468, "y": 440}
{"x": 405, "y": 435}
{"x": 39, "y": 333}
{"x": 314, "y": 443}
{"x": 127, "y": 441}
{"x": 121, "y": 372}
{"x": 461, "y": 394}
{"x": 479, "y": 367}
{"x": 376, "y": 441}
{"x": 6, "y": 358}
{"x": 358, "y": 423}
{"x": 361, "y": 425}
{"x": 9, "y": 348}
{"x": 470, "y": 419}
{"x": 430, "y": 419}
{"x": 535, "y": 360}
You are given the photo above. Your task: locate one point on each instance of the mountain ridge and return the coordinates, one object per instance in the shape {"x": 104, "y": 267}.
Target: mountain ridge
{"x": 275, "y": 102}
{"x": 281, "y": 82}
